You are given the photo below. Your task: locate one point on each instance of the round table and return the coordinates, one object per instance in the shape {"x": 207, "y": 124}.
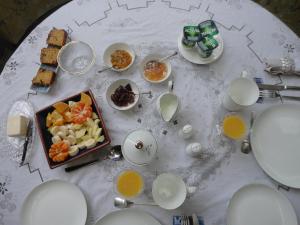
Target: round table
{"x": 251, "y": 36}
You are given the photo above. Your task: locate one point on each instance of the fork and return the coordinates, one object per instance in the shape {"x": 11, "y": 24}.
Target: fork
{"x": 275, "y": 94}
{"x": 185, "y": 220}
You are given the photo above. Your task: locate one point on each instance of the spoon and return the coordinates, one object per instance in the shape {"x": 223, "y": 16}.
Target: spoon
{"x": 106, "y": 68}
{"x": 246, "y": 146}
{"x": 167, "y": 57}
{"x": 124, "y": 203}
{"x": 115, "y": 154}
{"x": 155, "y": 63}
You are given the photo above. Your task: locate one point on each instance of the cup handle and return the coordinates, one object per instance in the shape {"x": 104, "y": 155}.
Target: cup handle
{"x": 191, "y": 189}
{"x": 244, "y": 74}
{"x": 170, "y": 85}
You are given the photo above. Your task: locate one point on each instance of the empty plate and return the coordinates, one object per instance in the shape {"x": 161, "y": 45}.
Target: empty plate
{"x": 275, "y": 140}
{"x": 54, "y": 202}
{"x": 258, "y": 204}
{"x": 128, "y": 217}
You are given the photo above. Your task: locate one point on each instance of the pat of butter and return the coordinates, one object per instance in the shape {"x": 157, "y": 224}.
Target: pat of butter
{"x": 17, "y": 126}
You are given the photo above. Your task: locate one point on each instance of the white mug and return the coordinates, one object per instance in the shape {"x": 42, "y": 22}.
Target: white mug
{"x": 169, "y": 191}
{"x": 167, "y": 104}
{"x": 242, "y": 92}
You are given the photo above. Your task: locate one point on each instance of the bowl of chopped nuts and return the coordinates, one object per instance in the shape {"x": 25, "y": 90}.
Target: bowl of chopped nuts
{"x": 118, "y": 56}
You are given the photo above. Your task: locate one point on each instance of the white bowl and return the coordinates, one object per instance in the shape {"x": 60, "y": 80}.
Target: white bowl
{"x": 169, "y": 191}
{"x": 155, "y": 57}
{"x": 117, "y": 46}
{"x": 111, "y": 89}
{"x": 76, "y": 57}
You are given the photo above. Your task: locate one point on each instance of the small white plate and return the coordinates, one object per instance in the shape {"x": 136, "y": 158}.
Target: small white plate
{"x": 193, "y": 56}
{"x": 258, "y": 204}
{"x": 275, "y": 140}
{"x": 24, "y": 108}
{"x": 128, "y": 217}
{"x": 111, "y": 89}
{"x": 117, "y": 46}
{"x": 54, "y": 202}
{"x": 155, "y": 57}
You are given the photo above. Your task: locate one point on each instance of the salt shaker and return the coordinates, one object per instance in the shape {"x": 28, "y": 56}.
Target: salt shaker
{"x": 186, "y": 132}
{"x": 193, "y": 149}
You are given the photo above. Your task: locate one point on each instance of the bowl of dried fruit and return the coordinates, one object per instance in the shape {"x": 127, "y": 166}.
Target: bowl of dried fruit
{"x": 122, "y": 94}
{"x": 71, "y": 128}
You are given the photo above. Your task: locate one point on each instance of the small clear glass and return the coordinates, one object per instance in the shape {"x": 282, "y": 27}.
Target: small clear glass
{"x": 76, "y": 57}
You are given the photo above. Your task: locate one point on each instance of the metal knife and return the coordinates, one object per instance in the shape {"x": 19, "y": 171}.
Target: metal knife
{"x": 195, "y": 219}
{"x": 278, "y": 87}
{"x": 28, "y": 136}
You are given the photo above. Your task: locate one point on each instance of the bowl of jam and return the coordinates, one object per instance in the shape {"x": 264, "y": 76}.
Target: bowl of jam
{"x": 154, "y": 70}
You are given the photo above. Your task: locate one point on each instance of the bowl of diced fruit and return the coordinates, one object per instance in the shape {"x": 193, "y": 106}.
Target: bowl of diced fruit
{"x": 71, "y": 128}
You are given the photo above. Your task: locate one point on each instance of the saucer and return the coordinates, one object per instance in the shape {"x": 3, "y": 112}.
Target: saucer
{"x": 193, "y": 56}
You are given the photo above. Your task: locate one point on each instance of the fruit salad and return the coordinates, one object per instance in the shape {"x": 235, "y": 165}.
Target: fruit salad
{"x": 73, "y": 126}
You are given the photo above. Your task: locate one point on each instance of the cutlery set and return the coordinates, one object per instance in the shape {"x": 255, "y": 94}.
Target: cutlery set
{"x": 272, "y": 91}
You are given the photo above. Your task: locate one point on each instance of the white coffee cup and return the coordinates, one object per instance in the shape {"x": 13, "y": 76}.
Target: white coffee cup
{"x": 167, "y": 104}
{"x": 169, "y": 191}
{"x": 242, "y": 92}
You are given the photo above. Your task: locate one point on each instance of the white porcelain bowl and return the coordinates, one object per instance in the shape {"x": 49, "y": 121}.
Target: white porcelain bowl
{"x": 155, "y": 57}
{"x": 111, "y": 89}
{"x": 76, "y": 57}
{"x": 117, "y": 46}
{"x": 169, "y": 191}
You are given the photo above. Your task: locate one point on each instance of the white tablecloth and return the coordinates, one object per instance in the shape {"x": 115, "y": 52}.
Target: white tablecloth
{"x": 251, "y": 35}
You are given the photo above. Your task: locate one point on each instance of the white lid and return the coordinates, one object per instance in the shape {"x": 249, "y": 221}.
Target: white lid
{"x": 139, "y": 147}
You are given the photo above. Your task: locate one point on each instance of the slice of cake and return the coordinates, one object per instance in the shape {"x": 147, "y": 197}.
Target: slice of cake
{"x": 57, "y": 37}
{"x": 43, "y": 78}
{"x": 49, "y": 56}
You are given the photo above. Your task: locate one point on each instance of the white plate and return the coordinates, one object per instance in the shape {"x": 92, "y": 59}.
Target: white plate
{"x": 258, "y": 204}
{"x": 24, "y": 108}
{"x": 54, "y": 202}
{"x": 117, "y": 46}
{"x": 193, "y": 56}
{"x": 155, "y": 57}
{"x": 275, "y": 140}
{"x": 111, "y": 89}
{"x": 128, "y": 217}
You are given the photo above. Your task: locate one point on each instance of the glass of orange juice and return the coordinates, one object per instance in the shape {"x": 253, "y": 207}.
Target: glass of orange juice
{"x": 129, "y": 184}
{"x": 234, "y": 127}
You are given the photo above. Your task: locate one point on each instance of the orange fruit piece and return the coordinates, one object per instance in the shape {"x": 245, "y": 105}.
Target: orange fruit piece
{"x": 49, "y": 120}
{"x": 61, "y": 107}
{"x": 58, "y": 152}
{"x": 86, "y": 99}
{"x": 81, "y": 112}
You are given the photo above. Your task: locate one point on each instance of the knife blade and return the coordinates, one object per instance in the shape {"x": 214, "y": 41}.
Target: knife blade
{"x": 28, "y": 135}
{"x": 278, "y": 87}
{"x": 195, "y": 219}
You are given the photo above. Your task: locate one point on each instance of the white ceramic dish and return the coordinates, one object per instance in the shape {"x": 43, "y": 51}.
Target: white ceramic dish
{"x": 117, "y": 46}
{"x": 193, "y": 56}
{"x": 76, "y": 57}
{"x": 111, "y": 89}
{"x": 128, "y": 217}
{"x": 24, "y": 108}
{"x": 155, "y": 57}
{"x": 275, "y": 140}
{"x": 169, "y": 191}
{"x": 54, "y": 202}
{"x": 258, "y": 204}
{"x": 139, "y": 147}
